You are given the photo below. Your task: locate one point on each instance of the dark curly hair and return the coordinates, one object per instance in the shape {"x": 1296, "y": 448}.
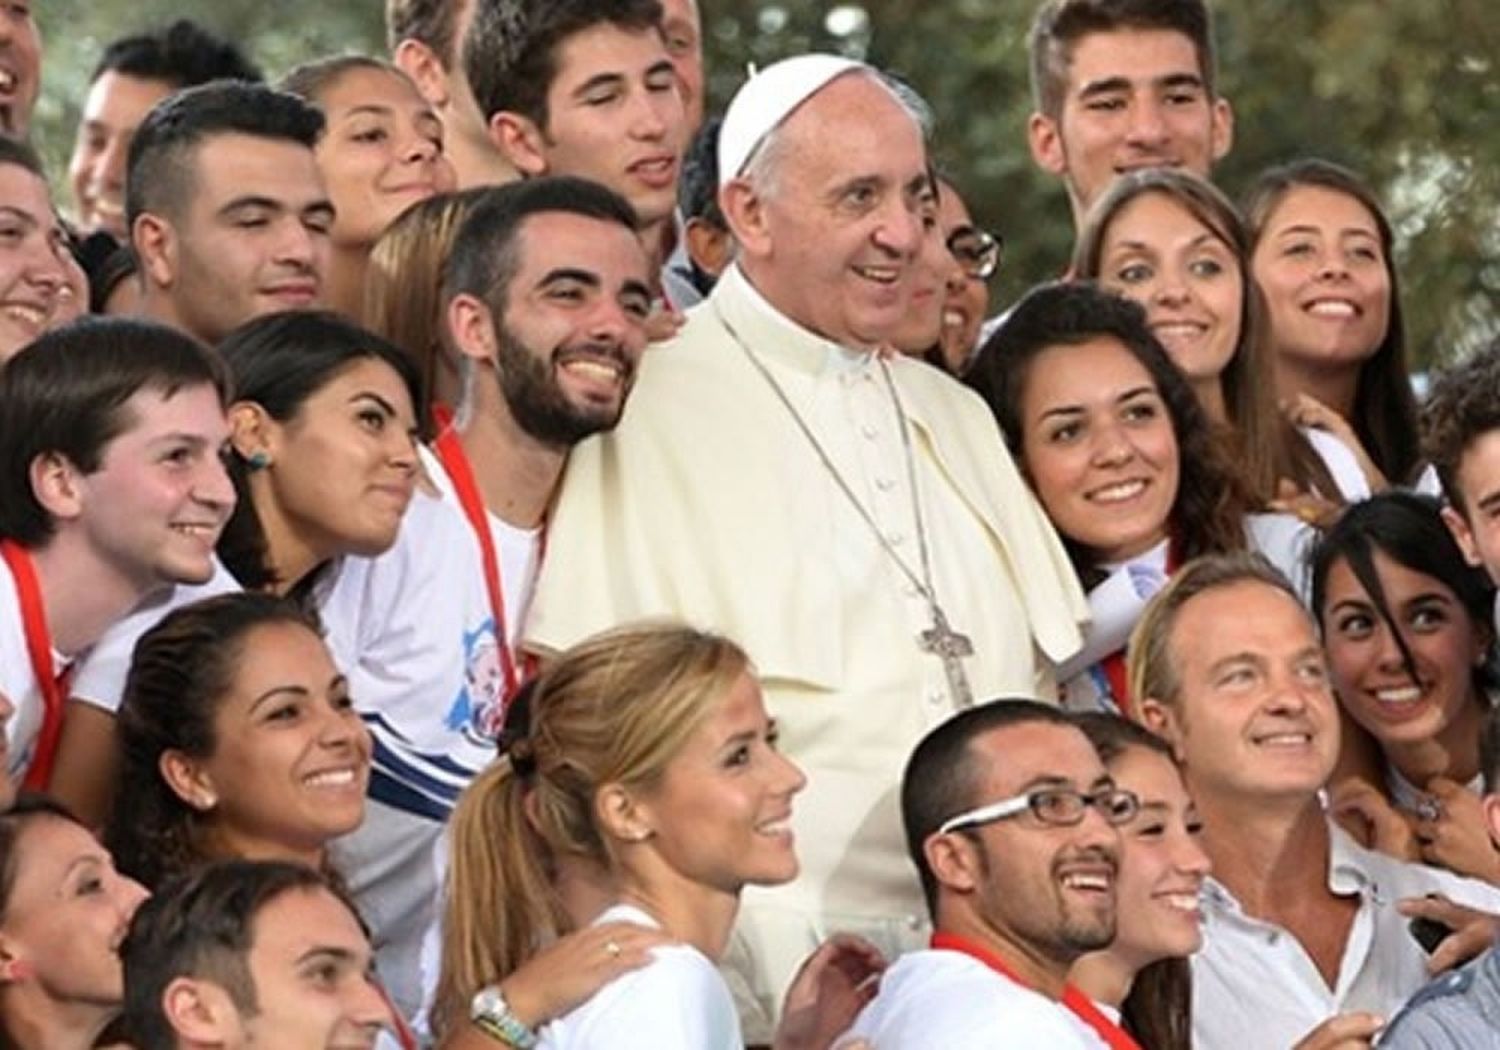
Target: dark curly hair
{"x": 1208, "y": 514}
{"x": 180, "y": 674}
{"x": 1463, "y": 404}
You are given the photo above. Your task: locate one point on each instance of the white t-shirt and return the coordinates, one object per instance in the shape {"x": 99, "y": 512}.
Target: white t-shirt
{"x": 945, "y": 999}
{"x": 17, "y": 681}
{"x": 414, "y": 632}
{"x": 1253, "y": 976}
{"x": 677, "y": 1001}
{"x": 100, "y": 678}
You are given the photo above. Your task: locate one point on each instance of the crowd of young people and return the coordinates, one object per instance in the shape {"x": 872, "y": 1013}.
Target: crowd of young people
{"x": 510, "y": 566}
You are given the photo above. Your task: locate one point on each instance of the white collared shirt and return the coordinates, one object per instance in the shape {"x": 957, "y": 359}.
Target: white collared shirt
{"x": 1254, "y": 977}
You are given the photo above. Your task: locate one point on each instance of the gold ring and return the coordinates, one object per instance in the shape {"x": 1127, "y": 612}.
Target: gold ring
{"x": 612, "y": 949}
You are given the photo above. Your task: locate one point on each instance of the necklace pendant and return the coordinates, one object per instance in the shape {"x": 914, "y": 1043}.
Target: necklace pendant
{"x": 951, "y": 647}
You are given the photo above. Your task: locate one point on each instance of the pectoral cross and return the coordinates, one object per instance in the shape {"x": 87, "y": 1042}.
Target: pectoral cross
{"x": 950, "y": 646}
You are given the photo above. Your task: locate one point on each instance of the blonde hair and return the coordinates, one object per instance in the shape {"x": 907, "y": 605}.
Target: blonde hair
{"x": 615, "y": 709}
{"x": 1150, "y": 667}
{"x": 404, "y": 288}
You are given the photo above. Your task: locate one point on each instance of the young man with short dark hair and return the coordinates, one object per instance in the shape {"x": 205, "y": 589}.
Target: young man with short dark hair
{"x": 111, "y": 489}
{"x": 1120, "y": 85}
{"x": 226, "y": 207}
{"x": 584, "y": 88}
{"x": 250, "y": 954}
{"x": 134, "y": 73}
{"x": 1461, "y": 438}
{"x": 1010, "y": 819}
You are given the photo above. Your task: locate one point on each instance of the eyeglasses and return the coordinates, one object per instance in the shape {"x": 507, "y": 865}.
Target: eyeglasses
{"x": 977, "y": 252}
{"x": 1057, "y": 807}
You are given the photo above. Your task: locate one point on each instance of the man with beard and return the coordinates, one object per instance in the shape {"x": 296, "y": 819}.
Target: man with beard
{"x": 546, "y": 293}
{"x": 1010, "y": 819}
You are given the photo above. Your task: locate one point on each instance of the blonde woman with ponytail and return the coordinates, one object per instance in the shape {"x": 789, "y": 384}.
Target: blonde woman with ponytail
{"x": 639, "y": 784}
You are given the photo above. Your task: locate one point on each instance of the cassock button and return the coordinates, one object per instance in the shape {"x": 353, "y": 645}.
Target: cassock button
{"x": 869, "y": 432}
{"x": 885, "y": 484}
{"x": 895, "y": 539}
{"x": 914, "y": 922}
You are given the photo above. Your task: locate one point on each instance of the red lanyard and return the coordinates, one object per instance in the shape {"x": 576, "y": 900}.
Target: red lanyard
{"x": 450, "y": 453}
{"x": 53, "y": 683}
{"x": 403, "y": 1030}
{"x": 1073, "y": 999}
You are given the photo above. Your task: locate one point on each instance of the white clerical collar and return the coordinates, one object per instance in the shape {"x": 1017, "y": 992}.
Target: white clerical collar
{"x": 778, "y": 337}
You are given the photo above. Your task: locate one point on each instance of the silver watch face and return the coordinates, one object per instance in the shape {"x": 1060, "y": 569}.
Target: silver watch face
{"x": 488, "y": 1002}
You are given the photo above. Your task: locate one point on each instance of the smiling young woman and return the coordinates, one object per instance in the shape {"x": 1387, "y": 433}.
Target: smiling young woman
{"x": 1406, "y": 624}
{"x": 323, "y": 447}
{"x": 1118, "y": 450}
{"x": 381, "y": 151}
{"x": 1173, "y": 243}
{"x": 1322, "y": 256}
{"x": 238, "y": 738}
{"x": 63, "y": 913}
{"x": 1143, "y": 974}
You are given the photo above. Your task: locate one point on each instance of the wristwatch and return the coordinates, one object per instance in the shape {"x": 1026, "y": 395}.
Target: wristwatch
{"x": 489, "y": 1010}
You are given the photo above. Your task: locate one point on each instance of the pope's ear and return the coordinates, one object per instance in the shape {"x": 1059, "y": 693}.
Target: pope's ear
{"x": 745, "y": 214}
{"x": 1161, "y": 718}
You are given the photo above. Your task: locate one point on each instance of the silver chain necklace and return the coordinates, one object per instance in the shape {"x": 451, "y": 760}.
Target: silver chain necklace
{"x": 940, "y": 639}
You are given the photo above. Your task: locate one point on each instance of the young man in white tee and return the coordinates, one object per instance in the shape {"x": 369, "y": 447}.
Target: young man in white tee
{"x": 111, "y": 489}
{"x": 1010, "y": 819}
{"x": 546, "y": 291}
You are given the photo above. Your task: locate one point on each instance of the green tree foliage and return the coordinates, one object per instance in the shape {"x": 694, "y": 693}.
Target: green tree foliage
{"x": 1405, "y": 91}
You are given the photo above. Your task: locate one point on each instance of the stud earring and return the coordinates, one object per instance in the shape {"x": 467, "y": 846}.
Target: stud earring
{"x": 260, "y": 459}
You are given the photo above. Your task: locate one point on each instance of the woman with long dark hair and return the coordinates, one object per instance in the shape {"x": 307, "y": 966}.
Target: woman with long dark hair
{"x": 1116, "y": 446}
{"x": 1406, "y": 622}
{"x": 1322, "y": 255}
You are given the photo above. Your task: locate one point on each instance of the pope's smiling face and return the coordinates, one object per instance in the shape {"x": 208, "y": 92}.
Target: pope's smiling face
{"x": 836, "y": 224}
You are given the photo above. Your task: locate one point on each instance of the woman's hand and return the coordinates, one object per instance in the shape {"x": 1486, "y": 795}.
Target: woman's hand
{"x": 1362, "y": 811}
{"x": 831, "y": 986}
{"x": 1455, "y": 834}
{"x": 570, "y": 970}
{"x": 1304, "y": 410}
{"x": 1308, "y": 507}
{"x": 1473, "y": 930}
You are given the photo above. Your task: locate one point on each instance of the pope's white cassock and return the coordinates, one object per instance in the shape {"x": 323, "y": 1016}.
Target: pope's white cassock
{"x": 709, "y": 503}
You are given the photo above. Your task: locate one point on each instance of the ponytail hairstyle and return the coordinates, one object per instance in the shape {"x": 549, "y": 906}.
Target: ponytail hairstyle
{"x": 615, "y": 709}
{"x": 181, "y": 673}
